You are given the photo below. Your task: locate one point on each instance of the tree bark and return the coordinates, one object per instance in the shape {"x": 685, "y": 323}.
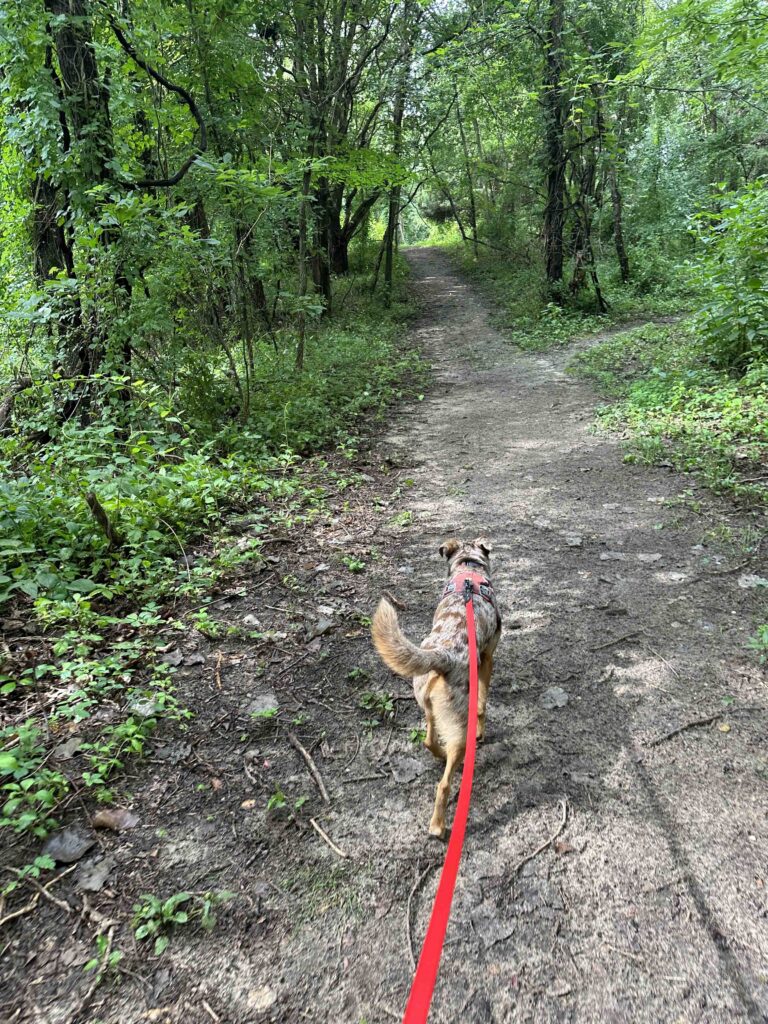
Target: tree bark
{"x": 555, "y": 155}
{"x": 303, "y": 273}
{"x": 618, "y": 226}
{"x": 468, "y": 171}
{"x": 394, "y": 192}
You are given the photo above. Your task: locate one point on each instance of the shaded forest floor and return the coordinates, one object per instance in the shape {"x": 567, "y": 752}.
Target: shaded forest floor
{"x": 626, "y": 620}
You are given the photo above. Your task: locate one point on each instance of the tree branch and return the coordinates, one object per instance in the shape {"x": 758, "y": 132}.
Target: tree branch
{"x": 180, "y": 91}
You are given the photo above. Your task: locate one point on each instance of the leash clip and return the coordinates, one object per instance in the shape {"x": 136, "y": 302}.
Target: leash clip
{"x": 469, "y": 590}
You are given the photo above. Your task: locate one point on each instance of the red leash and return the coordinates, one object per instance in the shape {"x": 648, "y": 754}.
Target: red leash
{"x": 417, "y": 1010}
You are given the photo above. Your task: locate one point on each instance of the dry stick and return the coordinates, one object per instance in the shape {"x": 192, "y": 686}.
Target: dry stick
{"x": 694, "y": 723}
{"x": 114, "y": 538}
{"x": 43, "y": 889}
{"x": 214, "y": 1016}
{"x": 357, "y": 751}
{"x": 616, "y": 640}
{"x": 86, "y": 1000}
{"x": 26, "y": 909}
{"x": 324, "y": 836}
{"x": 311, "y": 765}
{"x": 661, "y": 657}
{"x": 564, "y": 805}
{"x": 393, "y": 600}
{"x": 416, "y": 886}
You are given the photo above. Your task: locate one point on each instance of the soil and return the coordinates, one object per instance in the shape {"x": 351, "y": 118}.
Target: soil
{"x": 627, "y": 611}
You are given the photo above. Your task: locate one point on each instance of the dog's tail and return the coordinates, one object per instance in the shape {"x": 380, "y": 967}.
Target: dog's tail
{"x": 398, "y": 652}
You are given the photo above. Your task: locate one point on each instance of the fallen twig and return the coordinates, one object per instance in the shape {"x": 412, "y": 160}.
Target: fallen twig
{"x": 696, "y": 722}
{"x": 43, "y": 889}
{"x": 547, "y": 842}
{"x": 326, "y": 838}
{"x": 98, "y": 974}
{"x": 393, "y": 600}
{"x": 416, "y": 886}
{"x": 114, "y": 538}
{"x": 616, "y": 640}
{"x": 26, "y": 909}
{"x": 211, "y": 1013}
{"x": 357, "y": 751}
{"x": 292, "y": 739}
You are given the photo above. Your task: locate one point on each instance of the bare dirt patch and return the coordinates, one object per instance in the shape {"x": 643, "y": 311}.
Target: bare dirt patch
{"x": 624, "y": 621}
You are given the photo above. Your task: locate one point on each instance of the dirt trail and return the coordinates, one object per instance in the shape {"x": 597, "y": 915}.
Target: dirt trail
{"x": 652, "y": 907}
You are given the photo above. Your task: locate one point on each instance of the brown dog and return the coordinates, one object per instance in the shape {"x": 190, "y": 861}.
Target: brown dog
{"x": 440, "y": 667}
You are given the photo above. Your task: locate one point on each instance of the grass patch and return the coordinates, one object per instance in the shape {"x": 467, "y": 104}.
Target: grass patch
{"x": 677, "y": 408}
{"x": 515, "y": 285}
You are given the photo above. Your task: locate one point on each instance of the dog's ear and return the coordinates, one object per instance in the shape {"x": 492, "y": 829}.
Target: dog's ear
{"x": 484, "y": 544}
{"x": 449, "y": 548}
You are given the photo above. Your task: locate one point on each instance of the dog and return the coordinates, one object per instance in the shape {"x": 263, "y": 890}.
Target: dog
{"x": 440, "y": 666}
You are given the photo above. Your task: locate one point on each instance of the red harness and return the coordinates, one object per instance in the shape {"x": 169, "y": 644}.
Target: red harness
{"x": 459, "y": 584}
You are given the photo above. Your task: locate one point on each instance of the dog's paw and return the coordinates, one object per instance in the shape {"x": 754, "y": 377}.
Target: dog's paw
{"x": 436, "y": 830}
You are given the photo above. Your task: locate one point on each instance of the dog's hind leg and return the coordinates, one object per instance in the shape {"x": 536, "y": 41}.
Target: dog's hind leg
{"x": 483, "y": 684}
{"x": 453, "y": 733}
{"x": 454, "y": 757}
{"x": 432, "y": 740}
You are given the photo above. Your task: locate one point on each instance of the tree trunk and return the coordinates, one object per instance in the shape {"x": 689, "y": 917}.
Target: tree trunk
{"x": 618, "y": 228}
{"x": 338, "y": 246}
{"x": 321, "y": 271}
{"x": 555, "y": 156}
{"x": 394, "y": 192}
{"x": 303, "y": 274}
{"x": 85, "y": 116}
{"x": 468, "y": 171}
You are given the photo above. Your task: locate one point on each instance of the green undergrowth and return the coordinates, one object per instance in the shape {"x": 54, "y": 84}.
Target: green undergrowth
{"x": 676, "y": 408}
{"x": 514, "y": 283}
{"x": 110, "y": 527}
{"x": 679, "y": 409}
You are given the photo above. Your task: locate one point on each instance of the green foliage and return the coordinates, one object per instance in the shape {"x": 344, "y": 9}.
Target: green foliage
{"x": 733, "y": 275}
{"x": 30, "y": 789}
{"x": 113, "y": 957}
{"x": 759, "y": 643}
{"x": 679, "y": 408}
{"x": 381, "y": 704}
{"x": 277, "y": 800}
{"x": 155, "y": 918}
{"x": 353, "y": 564}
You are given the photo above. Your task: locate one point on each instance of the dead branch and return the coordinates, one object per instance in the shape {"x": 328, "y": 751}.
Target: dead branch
{"x": 697, "y": 722}
{"x": 6, "y": 405}
{"x": 416, "y": 886}
{"x": 115, "y": 539}
{"x": 616, "y": 640}
{"x": 547, "y": 842}
{"x": 313, "y": 771}
{"x": 26, "y": 909}
{"x": 326, "y": 838}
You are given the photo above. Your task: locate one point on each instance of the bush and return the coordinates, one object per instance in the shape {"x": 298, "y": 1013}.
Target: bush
{"x": 733, "y": 277}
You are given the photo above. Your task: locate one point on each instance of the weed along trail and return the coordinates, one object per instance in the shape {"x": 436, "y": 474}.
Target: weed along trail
{"x": 614, "y": 867}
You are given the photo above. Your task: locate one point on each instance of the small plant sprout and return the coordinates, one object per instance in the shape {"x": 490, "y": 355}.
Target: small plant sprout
{"x": 113, "y": 957}
{"x": 156, "y": 919}
{"x": 265, "y": 715}
{"x": 277, "y": 801}
{"x": 353, "y": 564}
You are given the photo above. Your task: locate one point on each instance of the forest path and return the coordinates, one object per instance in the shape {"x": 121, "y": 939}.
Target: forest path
{"x": 624, "y": 620}
{"x": 614, "y": 591}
